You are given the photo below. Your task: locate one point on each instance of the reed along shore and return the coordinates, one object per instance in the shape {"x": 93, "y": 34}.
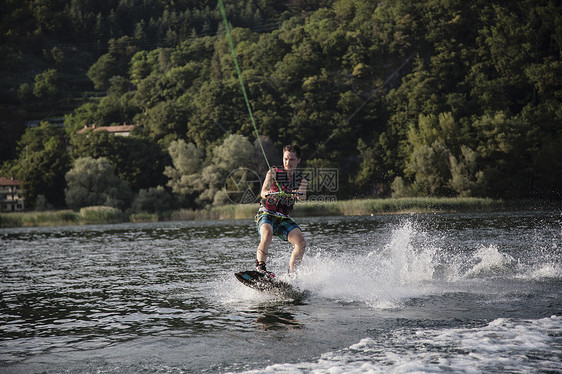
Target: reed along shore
{"x": 105, "y": 215}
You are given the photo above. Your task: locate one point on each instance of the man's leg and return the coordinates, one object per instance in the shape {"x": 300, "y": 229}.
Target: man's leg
{"x": 266, "y": 235}
{"x": 296, "y": 238}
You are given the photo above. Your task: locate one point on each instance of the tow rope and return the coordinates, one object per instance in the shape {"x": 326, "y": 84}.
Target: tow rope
{"x": 243, "y": 87}
{"x": 239, "y": 73}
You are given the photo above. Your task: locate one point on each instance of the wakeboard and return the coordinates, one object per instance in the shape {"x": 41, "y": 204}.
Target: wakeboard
{"x": 260, "y": 282}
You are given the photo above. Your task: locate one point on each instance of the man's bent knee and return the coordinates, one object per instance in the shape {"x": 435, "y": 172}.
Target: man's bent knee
{"x": 266, "y": 231}
{"x": 297, "y": 239}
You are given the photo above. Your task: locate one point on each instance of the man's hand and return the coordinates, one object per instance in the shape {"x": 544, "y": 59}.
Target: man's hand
{"x": 284, "y": 197}
{"x": 284, "y": 194}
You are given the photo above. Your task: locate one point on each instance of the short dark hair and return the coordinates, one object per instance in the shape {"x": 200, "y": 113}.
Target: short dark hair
{"x": 292, "y": 148}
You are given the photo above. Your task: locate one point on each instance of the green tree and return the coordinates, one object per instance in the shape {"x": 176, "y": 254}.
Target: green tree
{"x": 41, "y": 165}
{"x": 236, "y": 152}
{"x": 166, "y": 121}
{"x": 203, "y": 182}
{"x": 218, "y": 108}
{"x": 143, "y": 63}
{"x": 138, "y": 161}
{"x": 504, "y": 146}
{"x": 103, "y": 70}
{"x": 466, "y": 178}
{"x": 152, "y": 200}
{"x": 93, "y": 182}
{"x": 47, "y": 85}
{"x": 114, "y": 63}
{"x": 432, "y": 144}
{"x": 185, "y": 174}
{"x": 428, "y": 164}
{"x": 366, "y": 172}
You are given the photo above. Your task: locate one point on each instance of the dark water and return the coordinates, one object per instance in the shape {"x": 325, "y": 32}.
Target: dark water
{"x": 404, "y": 293}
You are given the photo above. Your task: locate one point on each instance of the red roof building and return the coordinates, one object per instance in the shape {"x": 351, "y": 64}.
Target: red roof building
{"x": 11, "y": 199}
{"x": 121, "y": 130}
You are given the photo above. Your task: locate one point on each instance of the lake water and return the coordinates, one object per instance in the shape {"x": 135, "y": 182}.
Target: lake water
{"x": 432, "y": 293}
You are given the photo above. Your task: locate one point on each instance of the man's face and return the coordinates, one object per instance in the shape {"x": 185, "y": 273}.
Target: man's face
{"x": 290, "y": 160}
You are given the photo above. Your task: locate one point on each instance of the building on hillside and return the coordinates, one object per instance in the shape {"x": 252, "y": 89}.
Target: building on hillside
{"x": 11, "y": 199}
{"x": 121, "y": 130}
{"x": 54, "y": 121}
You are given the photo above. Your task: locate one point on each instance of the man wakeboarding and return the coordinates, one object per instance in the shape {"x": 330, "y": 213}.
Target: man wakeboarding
{"x": 281, "y": 189}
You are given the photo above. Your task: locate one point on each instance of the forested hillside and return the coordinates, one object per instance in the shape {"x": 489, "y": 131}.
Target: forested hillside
{"x": 403, "y": 98}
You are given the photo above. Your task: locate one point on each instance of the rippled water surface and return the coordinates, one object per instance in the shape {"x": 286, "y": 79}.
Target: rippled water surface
{"x": 428, "y": 293}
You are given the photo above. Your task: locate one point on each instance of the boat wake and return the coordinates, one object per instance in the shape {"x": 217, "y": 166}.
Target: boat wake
{"x": 412, "y": 263}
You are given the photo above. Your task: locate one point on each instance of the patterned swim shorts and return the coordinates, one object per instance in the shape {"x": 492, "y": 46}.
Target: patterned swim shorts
{"x": 282, "y": 225}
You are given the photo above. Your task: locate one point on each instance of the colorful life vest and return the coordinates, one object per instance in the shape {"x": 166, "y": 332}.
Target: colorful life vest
{"x": 284, "y": 204}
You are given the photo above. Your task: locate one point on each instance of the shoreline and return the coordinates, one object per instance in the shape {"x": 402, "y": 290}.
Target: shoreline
{"x": 358, "y": 207}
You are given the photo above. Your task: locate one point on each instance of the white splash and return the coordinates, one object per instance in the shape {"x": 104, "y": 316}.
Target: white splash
{"x": 489, "y": 261}
{"x": 379, "y": 276}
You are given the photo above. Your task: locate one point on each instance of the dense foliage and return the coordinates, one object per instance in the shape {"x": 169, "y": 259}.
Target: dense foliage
{"x": 438, "y": 97}
{"x": 93, "y": 182}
